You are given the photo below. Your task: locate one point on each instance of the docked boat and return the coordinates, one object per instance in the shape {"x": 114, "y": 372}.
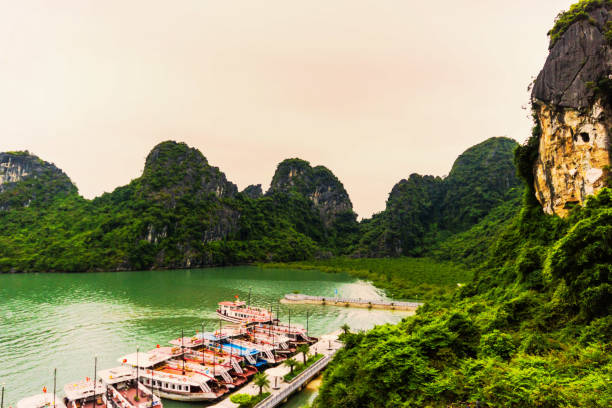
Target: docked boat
{"x": 296, "y": 333}
{"x": 239, "y": 312}
{"x": 162, "y": 374}
{"x": 82, "y": 394}
{"x": 43, "y": 400}
{"x": 124, "y": 391}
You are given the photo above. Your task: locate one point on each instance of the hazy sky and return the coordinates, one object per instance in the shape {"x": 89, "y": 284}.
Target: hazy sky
{"x": 374, "y": 90}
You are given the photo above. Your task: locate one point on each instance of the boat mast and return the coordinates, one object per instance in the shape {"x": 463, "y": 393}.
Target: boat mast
{"x": 182, "y": 352}
{"x": 55, "y": 385}
{"x": 249, "y": 302}
{"x": 307, "y": 314}
{"x": 2, "y": 397}
{"x": 94, "y": 379}
{"x": 289, "y": 322}
{"x": 137, "y": 364}
{"x": 204, "y": 349}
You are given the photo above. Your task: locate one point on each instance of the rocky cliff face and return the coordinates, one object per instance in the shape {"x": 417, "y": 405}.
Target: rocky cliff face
{"x": 318, "y": 184}
{"x": 173, "y": 170}
{"x": 570, "y": 100}
{"x": 27, "y": 180}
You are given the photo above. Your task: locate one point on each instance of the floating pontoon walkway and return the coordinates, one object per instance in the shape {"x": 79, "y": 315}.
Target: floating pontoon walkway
{"x": 350, "y": 302}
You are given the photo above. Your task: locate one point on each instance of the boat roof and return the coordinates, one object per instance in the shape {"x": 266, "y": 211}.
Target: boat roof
{"x": 230, "y": 303}
{"x": 41, "y": 401}
{"x": 82, "y": 389}
{"x": 144, "y": 360}
{"x": 117, "y": 374}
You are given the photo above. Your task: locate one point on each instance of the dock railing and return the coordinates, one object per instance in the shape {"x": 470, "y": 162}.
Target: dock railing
{"x": 305, "y": 376}
{"x": 296, "y": 297}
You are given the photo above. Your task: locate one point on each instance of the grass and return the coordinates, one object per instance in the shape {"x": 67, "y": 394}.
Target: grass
{"x": 402, "y": 278}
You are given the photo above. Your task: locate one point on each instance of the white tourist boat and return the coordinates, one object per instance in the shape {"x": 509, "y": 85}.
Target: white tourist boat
{"x": 124, "y": 391}
{"x": 82, "y": 394}
{"x": 159, "y": 372}
{"x": 44, "y": 400}
{"x": 239, "y": 312}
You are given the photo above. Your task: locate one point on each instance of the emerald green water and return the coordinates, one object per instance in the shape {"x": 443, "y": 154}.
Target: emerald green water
{"x": 62, "y": 321}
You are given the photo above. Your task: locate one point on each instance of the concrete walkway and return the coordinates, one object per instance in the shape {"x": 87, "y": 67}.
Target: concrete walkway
{"x": 328, "y": 346}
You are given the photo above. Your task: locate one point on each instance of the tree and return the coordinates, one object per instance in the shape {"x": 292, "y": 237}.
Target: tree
{"x": 262, "y": 381}
{"x": 291, "y": 363}
{"x": 304, "y": 349}
{"x": 346, "y": 328}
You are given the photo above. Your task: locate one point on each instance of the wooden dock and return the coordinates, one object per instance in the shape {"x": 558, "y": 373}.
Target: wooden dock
{"x": 350, "y": 302}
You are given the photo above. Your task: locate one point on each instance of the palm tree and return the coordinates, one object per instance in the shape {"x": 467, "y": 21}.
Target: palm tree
{"x": 261, "y": 380}
{"x": 346, "y": 328}
{"x": 304, "y": 349}
{"x": 291, "y": 363}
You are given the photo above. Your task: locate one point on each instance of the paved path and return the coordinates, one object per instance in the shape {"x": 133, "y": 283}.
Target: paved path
{"x": 327, "y": 347}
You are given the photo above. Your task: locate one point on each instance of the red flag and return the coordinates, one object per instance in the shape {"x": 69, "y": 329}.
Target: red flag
{"x": 158, "y": 346}
{"x": 125, "y": 360}
{"x": 45, "y": 389}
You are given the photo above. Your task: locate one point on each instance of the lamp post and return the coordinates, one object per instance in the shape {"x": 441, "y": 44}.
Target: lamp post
{"x": 2, "y": 397}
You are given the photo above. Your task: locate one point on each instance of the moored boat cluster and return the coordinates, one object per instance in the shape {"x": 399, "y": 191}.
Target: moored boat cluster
{"x": 203, "y": 367}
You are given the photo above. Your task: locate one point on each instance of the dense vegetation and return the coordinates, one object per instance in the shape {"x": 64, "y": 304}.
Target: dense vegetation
{"x": 183, "y": 212}
{"x": 423, "y": 210}
{"x": 532, "y": 330}
{"x": 402, "y": 278}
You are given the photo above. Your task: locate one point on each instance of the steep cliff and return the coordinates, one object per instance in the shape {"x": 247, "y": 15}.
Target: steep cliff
{"x": 318, "y": 184}
{"x": 26, "y": 180}
{"x": 571, "y": 104}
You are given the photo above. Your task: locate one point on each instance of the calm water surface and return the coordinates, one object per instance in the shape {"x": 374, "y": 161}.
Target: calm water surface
{"x": 62, "y": 321}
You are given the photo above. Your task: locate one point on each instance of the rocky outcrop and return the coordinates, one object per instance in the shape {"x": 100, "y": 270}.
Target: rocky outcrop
{"x": 318, "y": 184}
{"x": 253, "y": 191}
{"x": 573, "y": 157}
{"x": 27, "y": 180}
{"x": 571, "y": 103}
{"x": 174, "y": 170}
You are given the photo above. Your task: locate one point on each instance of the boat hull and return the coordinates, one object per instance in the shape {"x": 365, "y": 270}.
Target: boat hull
{"x": 191, "y": 397}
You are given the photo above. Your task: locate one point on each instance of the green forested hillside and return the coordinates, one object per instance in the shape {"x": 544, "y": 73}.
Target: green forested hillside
{"x": 182, "y": 212}
{"x": 533, "y": 329}
{"x": 424, "y": 210}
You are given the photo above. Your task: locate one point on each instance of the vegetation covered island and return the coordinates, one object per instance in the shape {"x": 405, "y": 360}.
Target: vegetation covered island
{"x": 511, "y": 252}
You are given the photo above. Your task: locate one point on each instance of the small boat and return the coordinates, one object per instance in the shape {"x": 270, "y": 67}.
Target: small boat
{"x": 239, "y": 312}
{"x": 124, "y": 391}
{"x": 43, "y": 400}
{"x": 159, "y": 372}
{"x": 82, "y": 394}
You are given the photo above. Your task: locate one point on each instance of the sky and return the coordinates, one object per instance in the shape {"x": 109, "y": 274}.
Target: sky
{"x": 374, "y": 90}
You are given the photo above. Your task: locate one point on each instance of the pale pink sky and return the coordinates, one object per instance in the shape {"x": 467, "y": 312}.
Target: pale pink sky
{"x": 374, "y": 90}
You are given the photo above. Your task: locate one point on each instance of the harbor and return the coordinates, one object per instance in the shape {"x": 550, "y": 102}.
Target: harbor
{"x": 113, "y": 315}
{"x": 298, "y": 298}
{"x": 207, "y": 367}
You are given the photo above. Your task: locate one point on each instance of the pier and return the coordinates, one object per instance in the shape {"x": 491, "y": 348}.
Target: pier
{"x": 297, "y": 298}
{"x": 280, "y": 390}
